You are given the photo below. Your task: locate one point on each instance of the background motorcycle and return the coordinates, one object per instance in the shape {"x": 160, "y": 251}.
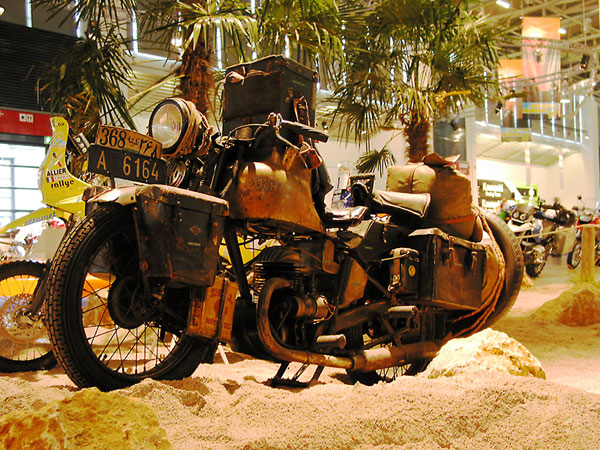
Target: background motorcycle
{"x": 138, "y": 288}
{"x": 535, "y": 226}
{"x": 24, "y": 341}
{"x": 584, "y": 216}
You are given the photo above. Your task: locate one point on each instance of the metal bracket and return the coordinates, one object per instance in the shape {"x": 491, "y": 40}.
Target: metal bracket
{"x": 278, "y": 379}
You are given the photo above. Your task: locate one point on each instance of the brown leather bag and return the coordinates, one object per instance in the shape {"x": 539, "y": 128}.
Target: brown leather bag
{"x": 451, "y": 200}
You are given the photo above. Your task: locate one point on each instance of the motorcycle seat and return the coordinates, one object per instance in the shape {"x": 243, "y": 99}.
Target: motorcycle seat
{"x": 394, "y": 203}
{"x": 342, "y": 218}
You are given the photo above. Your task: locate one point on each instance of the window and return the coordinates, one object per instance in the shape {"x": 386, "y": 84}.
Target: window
{"x": 19, "y": 193}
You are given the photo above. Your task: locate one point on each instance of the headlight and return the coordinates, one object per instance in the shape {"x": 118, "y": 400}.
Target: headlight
{"x": 515, "y": 214}
{"x": 168, "y": 124}
{"x": 523, "y": 216}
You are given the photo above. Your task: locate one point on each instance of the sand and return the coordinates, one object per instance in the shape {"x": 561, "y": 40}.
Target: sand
{"x": 232, "y": 407}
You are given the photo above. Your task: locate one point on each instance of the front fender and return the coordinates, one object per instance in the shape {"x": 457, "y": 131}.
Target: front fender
{"x": 122, "y": 195}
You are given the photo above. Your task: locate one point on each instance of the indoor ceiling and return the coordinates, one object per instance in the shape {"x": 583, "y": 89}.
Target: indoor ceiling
{"x": 580, "y": 34}
{"x": 542, "y": 151}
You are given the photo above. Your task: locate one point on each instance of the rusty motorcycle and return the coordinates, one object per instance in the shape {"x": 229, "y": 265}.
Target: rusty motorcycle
{"x": 139, "y": 288}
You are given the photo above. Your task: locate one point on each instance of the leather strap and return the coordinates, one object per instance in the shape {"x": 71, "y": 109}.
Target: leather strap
{"x": 453, "y": 220}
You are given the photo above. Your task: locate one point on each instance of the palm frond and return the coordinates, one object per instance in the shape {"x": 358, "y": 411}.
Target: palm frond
{"x": 374, "y": 160}
{"x": 91, "y": 74}
{"x": 89, "y": 11}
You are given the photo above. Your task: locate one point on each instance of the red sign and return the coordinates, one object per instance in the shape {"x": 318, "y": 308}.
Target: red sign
{"x": 24, "y": 122}
{"x": 462, "y": 166}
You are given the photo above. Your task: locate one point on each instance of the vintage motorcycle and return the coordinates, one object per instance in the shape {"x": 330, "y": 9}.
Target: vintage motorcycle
{"x": 62, "y": 180}
{"x": 138, "y": 289}
{"x": 535, "y": 226}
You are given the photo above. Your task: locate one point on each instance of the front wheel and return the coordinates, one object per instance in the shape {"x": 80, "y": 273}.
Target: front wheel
{"x": 535, "y": 269}
{"x": 574, "y": 256}
{"x": 24, "y": 342}
{"x": 105, "y": 329}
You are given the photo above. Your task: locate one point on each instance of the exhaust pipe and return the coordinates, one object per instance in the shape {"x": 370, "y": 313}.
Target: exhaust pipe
{"x": 366, "y": 360}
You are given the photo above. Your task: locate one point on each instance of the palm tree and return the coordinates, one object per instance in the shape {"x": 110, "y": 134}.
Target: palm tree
{"x": 311, "y": 29}
{"x": 195, "y": 24}
{"x": 310, "y": 25}
{"x": 84, "y": 83}
{"x": 414, "y": 61}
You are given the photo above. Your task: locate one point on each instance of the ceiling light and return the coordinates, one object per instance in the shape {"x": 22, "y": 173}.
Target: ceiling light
{"x": 503, "y": 3}
{"x": 585, "y": 59}
{"x": 565, "y": 100}
{"x": 562, "y": 31}
{"x": 1, "y": 10}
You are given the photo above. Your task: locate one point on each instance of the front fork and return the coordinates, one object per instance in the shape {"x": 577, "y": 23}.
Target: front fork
{"x": 39, "y": 294}
{"x": 237, "y": 262}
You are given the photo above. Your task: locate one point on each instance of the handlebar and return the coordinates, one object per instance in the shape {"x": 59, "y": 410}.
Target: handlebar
{"x": 276, "y": 122}
{"x": 305, "y": 130}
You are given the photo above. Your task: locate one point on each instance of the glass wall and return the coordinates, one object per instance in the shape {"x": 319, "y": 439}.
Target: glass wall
{"x": 19, "y": 193}
{"x": 565, "y": 124}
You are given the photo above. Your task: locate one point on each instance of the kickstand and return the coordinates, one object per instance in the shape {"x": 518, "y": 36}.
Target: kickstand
{"x": 278, "y": 379}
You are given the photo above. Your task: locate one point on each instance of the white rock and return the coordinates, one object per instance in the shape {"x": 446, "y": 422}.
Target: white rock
{"x": 487, "y": 350}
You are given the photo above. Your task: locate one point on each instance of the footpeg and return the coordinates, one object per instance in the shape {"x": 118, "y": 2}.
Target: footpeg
{"x": 402, "y": 312}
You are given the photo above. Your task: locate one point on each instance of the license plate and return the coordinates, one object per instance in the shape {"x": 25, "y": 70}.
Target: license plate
{"x": 122, "y": 139}
{"x": 126, "y": 165}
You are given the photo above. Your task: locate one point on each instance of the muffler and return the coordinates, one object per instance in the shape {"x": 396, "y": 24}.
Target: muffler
{"x": 366, "y": 360}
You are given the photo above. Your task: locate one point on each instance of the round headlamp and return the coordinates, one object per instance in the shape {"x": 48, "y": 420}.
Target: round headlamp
{"x": 523, "y": 216}
{"x": 168, "y": 124}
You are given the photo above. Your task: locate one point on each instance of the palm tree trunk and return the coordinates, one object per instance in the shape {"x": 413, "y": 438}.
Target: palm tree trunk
{"x": 416, "y": 131}
{"x": 196, "y": 82}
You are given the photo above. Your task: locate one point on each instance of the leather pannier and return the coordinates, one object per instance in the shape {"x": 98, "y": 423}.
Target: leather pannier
{"x": 451, "y": 269}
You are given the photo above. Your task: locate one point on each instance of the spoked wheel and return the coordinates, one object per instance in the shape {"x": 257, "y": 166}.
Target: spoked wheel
{"x": 105, "y": 327}
{"x": 24, "y": 342}
{"x": 574, "y": 256}
{"x": 360, "y": 336}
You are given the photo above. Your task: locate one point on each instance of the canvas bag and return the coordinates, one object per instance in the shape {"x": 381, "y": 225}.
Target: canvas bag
{"x": 451, "y": 207}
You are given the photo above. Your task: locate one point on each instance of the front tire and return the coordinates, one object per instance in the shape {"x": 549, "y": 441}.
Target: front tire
{"x": 24, "y": 342}
{"x": 103, "y": 329}
{"x": 535, "y": 269}
{"x": 574, "y": 256}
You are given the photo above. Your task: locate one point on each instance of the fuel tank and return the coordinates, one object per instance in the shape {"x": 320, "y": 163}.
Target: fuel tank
{"x": 271, "y": 195}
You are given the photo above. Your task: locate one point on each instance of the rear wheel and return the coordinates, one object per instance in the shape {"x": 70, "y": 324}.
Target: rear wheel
{"x": 105, "y": 329}
{"x": 362, "y": 336}
{"x": 513, "y": 260}
{"x": 24, "y": 342}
